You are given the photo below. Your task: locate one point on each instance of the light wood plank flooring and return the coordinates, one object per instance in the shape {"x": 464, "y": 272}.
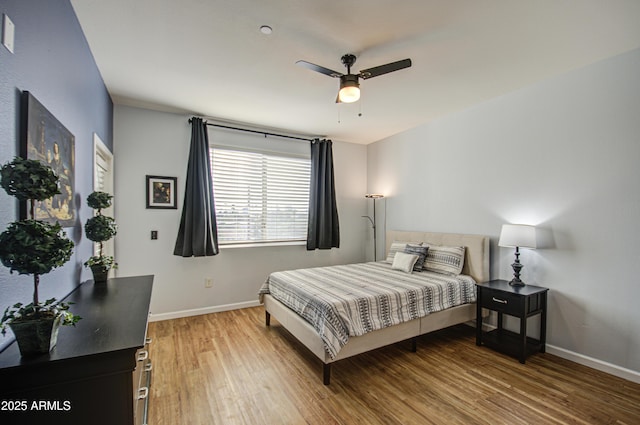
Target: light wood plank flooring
{"x": 228, "y": 368}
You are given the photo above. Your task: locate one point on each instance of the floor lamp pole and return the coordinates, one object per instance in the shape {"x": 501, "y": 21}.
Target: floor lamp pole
{"x": 375, "y": 244}
{"x": 373, "y": 223}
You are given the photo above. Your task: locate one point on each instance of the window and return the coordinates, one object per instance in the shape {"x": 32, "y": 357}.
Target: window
{"x": 260, "y": 197}
{"x": 103, "y": 182}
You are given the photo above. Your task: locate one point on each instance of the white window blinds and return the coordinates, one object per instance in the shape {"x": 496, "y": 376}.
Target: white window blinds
{"x": 260, "y": 197}
{"x": 103, "y": 182}
{"x": 102, "y": 170}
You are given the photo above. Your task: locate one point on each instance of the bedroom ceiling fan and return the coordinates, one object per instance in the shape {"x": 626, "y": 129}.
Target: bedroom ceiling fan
{"x": 349, "y": 83}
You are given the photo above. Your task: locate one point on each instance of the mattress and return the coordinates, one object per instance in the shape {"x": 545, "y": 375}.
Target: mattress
{"x": 354, "y": 299}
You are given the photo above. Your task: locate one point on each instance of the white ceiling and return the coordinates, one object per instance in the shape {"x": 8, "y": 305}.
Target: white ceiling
{"x": 209, "y": 58}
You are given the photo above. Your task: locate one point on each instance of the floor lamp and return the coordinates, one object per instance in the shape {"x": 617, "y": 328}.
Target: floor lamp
{"x": 373, "y": 196}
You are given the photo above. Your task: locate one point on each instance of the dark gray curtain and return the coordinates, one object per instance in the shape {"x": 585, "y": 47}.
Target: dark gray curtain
{"x": 323, "y": 231}
{"x": 198, "y": 233}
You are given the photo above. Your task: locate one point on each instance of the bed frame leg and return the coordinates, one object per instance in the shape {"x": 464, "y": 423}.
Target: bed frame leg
{"x": 414, "y": 344}
{"x": 326, "y": 373}
{"x": 267, "y": 318}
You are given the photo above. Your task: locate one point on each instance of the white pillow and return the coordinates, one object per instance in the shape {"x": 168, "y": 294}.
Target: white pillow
{"x": 445, "y": 259}
{"x": 404, "y": 262}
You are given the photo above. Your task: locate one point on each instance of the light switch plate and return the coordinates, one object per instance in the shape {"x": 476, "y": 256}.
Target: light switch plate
{"x": 8, "y": 32}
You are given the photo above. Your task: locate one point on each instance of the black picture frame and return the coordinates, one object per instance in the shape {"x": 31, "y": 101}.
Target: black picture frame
{"x": 45, "y": 139}
{"x": 161, "y": 192}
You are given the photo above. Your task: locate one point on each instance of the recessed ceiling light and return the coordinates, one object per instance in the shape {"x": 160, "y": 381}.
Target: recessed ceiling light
{"x": 266, "y": 29}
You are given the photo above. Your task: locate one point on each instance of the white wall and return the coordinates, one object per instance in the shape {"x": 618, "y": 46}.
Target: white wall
{"x": 563, "y": 154}
{"x": 156, "y": 143}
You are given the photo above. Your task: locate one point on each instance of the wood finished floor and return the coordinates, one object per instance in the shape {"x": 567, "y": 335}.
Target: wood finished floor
{"x": 228, "y": 368}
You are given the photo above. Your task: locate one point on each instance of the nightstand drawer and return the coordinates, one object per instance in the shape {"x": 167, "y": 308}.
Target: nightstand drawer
{"x": 501, "y": 301}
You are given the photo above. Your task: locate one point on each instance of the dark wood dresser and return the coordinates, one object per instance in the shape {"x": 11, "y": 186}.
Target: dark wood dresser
{"x": 99, "y": 372}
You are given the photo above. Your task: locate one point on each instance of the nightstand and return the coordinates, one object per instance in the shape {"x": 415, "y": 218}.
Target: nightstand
{"x": 517, "y": 301}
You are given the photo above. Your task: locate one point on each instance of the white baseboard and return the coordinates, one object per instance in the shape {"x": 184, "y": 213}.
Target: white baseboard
{"x": 199, "y": 311}
{"x": 611, "y": 369}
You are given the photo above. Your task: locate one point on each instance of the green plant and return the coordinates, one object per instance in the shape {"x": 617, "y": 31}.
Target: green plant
{"x": 104, "y": 261}
{"x": 31, "y": 246}
{"x": 99, "y": 200}
{"x": 34, "y": 247}
{"x": 28, "y": 179}
{"x": 100, "y": 228}
{"x": 50, "y": 308}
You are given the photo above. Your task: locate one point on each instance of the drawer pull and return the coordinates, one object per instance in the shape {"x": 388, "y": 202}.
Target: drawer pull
{"x": 148, "y": 367}
{"x": 148, "y": 340}
{"x": 143, "y": 355}
{"x": 143, "y": 393}
{"x": 498, "y": 300}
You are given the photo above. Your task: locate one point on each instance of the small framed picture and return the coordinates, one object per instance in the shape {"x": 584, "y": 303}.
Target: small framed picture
{"x": 161, "y": 192}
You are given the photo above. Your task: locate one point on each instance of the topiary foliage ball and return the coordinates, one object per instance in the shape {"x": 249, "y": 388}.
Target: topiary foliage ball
{"x": 99, "y": 200}
{"x": 100, "y": 228}
{"x": 34, "y": 247}
{"x": 28, "y": 179}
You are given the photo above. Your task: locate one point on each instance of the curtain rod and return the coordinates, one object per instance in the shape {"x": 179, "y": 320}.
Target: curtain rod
{"x": 256, "y": 131}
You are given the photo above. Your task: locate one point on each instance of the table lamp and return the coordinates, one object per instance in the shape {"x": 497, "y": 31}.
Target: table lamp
{"x": 518, "y": 236}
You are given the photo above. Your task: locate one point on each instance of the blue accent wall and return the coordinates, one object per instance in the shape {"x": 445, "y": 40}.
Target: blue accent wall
{"x": 52, "y": 60}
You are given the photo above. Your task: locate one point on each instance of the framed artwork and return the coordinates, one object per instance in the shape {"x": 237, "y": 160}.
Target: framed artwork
{"x": 45, "y": 139}
{"x": 161, "y": 192}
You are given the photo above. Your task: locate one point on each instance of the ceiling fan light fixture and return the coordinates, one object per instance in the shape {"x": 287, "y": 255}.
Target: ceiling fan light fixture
{"x": 349, "y": 84}
{"x": 349, "y": 94}
{"x": 349, "y": 89}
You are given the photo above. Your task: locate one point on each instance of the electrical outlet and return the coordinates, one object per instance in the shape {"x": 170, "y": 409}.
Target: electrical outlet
{"x": 154, "y": 235}
{"x": 208, "y": 283}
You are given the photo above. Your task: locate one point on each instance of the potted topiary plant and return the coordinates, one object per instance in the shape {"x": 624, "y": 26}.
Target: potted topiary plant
{"x": 100, "y": 228}
{"x": 33, "y": 247}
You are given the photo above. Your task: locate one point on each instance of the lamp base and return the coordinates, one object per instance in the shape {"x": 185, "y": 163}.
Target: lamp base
{"x": 516, "y": 282}
{"x": 516, "y": 271}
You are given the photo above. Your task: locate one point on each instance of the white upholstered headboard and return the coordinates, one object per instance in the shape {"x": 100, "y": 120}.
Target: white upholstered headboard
{"x": 476, "y": 259}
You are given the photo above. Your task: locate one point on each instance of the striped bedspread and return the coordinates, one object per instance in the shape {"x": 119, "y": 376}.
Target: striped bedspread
{"x": 353, "y": 299}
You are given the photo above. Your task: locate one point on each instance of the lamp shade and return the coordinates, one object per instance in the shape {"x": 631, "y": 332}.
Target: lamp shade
{"x": 349, "y": 94}
{"x": 518, "y": 235}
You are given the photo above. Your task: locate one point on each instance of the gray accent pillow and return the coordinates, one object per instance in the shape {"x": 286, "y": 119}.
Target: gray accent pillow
{"x": 421, "y": 252}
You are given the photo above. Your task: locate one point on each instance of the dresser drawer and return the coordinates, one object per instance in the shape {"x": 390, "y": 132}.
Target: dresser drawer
{"x": 501, "y": 301}
{"x": 142, "y": 384}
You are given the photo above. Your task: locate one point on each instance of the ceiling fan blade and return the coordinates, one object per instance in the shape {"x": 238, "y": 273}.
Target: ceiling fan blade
{"x": 384, "y": 69}
{"x": 320, "y": 69}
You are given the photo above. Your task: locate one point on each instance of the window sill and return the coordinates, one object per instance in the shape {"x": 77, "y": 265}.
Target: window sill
{"x": 262, "y": 244}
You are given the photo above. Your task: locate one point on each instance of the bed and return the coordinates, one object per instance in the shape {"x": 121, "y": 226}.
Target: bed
{"x": 330, "y": 348}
